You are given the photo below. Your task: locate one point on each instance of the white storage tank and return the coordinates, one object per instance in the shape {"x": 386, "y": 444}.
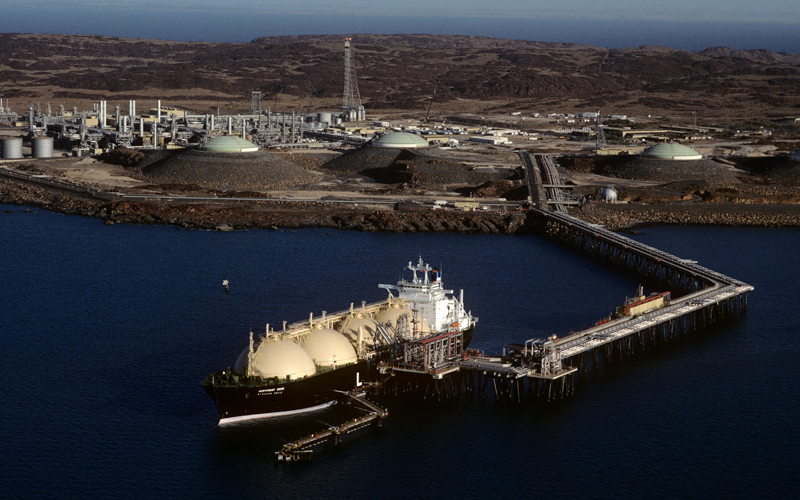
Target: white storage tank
{"x": 607, "y": 194}
{"x": 325, "y": 118}
{"x": 368, "y": 328}
{"x": 394, "y": 313}
{"x": 283, "y": 359}
{"x": 329, "y": 349}
{"x": 42, "y": 147}
{"x": 12, "y": 148}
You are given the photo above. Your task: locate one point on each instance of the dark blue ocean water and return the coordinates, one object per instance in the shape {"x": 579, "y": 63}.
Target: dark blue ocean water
{"x": 233, "y": 25}
{"x": 107, "y": 332}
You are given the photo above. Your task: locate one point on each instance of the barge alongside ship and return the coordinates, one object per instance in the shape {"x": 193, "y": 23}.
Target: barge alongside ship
{"x": 307, "y": 365}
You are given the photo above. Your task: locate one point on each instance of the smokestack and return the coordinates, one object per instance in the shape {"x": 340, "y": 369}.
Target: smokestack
{"x": 230, "y": 125}
{"x": 116, "y": 118}
{"x": 159, "y": 111}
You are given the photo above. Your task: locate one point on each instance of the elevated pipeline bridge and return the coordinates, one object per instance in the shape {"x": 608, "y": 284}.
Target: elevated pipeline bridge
{"x": 550, "y": 365}
{"x": 545, "y": 185}
{"x": 710, "y": 295}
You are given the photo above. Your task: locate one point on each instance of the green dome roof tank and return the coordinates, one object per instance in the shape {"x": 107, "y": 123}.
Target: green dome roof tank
{"x": 229, "y": 144}
{"x": 671, "y": 151}
{"x": 400, "y": 140}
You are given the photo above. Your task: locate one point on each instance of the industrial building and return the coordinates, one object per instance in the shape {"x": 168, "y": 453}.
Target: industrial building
{"x": 166, "y": 127}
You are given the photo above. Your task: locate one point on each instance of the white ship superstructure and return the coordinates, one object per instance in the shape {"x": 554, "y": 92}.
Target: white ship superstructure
{"x": 435, "y": 309}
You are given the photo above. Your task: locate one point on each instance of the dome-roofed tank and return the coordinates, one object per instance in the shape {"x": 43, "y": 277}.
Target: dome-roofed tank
{"x": 281, "y": 359}
{"x": 328, "y": 348}
{"x": 400, "y": 140}
{"x": 393, "y": 314}
{"x": 607, "y": 194}
{"x": 368, "y": 328}
{"x": 229, "y": 144}
{"x": 671, "y": 151}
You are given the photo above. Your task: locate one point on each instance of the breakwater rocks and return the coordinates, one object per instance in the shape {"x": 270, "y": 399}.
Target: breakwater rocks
{"x": 295, "y": 215}
{"x": 271, "y": 215}
{"x": 620, "y": 217}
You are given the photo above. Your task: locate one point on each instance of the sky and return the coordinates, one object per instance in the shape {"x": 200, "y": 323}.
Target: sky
{"x": 778, "y": 11}
{"x": 682, "y": 24}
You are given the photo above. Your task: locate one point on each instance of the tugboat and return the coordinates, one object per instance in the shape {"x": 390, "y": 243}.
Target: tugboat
{"x": 307, "y": 365}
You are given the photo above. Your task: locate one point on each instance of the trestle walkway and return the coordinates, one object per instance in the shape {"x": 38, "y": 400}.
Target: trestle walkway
{"x": 549, "y": 365}
{"x": 301, "y": 449}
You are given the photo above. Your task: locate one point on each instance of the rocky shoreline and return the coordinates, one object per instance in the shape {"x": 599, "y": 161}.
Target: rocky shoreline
{"x": 627, "y": 216}
{"x": 291, "y": 215}
{"x": 252, "y": 215}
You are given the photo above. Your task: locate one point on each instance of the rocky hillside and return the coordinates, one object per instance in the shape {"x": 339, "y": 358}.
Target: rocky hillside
{"x": 398, "y": 72}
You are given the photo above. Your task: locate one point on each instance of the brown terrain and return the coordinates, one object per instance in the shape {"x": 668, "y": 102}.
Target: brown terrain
{"x": 401, "y": 73}
{"x": 398, "y": 74}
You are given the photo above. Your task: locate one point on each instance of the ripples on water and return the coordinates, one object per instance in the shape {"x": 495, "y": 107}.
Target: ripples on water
{"x": 108, "y": 331}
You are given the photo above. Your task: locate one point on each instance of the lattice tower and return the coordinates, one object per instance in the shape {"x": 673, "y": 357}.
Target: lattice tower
{"x": 255, "y": 102}
{"x": 352, "y": 99}
{"x": 601, "y": 136}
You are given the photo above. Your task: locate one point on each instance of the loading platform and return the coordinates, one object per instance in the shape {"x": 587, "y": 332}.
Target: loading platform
{"x": 549, "y": 364}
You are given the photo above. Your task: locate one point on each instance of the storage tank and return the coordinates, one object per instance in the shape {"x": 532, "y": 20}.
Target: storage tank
{"x": 394, "y": 313}
{"x": 12, "y": 148}
{"x": 42, "y": 147}
{"x": 607, "y": 194}
{"x": 329, "y": 349}
{"x": 325, "y": 118}
{"x": 283, "y": 359}
{"x": 368, "y": 328}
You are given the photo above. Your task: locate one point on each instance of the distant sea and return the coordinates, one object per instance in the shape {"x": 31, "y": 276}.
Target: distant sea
{"x": 244, "y": 27}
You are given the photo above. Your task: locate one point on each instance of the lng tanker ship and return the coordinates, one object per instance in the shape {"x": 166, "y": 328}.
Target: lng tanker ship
{"x": 307, "y": 365}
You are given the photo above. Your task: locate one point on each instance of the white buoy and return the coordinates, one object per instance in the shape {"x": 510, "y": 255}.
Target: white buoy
{"x": 225, "y": 284}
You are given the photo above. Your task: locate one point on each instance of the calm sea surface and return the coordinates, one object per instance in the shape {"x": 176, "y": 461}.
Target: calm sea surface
{"x": 107, "y": 332}
{"x": 242, "y": 26}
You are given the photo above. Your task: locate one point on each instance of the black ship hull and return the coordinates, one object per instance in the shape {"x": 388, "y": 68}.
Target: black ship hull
{"x": 467, "y": 335}
{"x": 246, "y": 400}
{"x": 252, "y": 400}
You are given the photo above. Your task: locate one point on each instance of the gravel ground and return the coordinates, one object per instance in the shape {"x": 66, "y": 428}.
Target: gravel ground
{"x": 645, "y": 169}
{"x": 311, "y": 161}
{"x": 364, "y": 158}
{"x": 240, "y": 171}
{"x": 779, "y": 170}
{"x": 430, "y": 167}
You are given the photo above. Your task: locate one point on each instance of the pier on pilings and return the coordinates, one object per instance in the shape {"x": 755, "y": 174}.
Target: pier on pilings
{"x": 302, "y": 449}
{"x": 550, "y": 365}
{"x": 709, "y": 296}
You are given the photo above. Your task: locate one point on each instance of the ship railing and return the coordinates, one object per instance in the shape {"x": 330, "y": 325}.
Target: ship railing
{"x": 302, "y": 327}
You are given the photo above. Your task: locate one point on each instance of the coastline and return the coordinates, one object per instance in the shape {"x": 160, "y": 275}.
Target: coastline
{"x": 300, "y": 215}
